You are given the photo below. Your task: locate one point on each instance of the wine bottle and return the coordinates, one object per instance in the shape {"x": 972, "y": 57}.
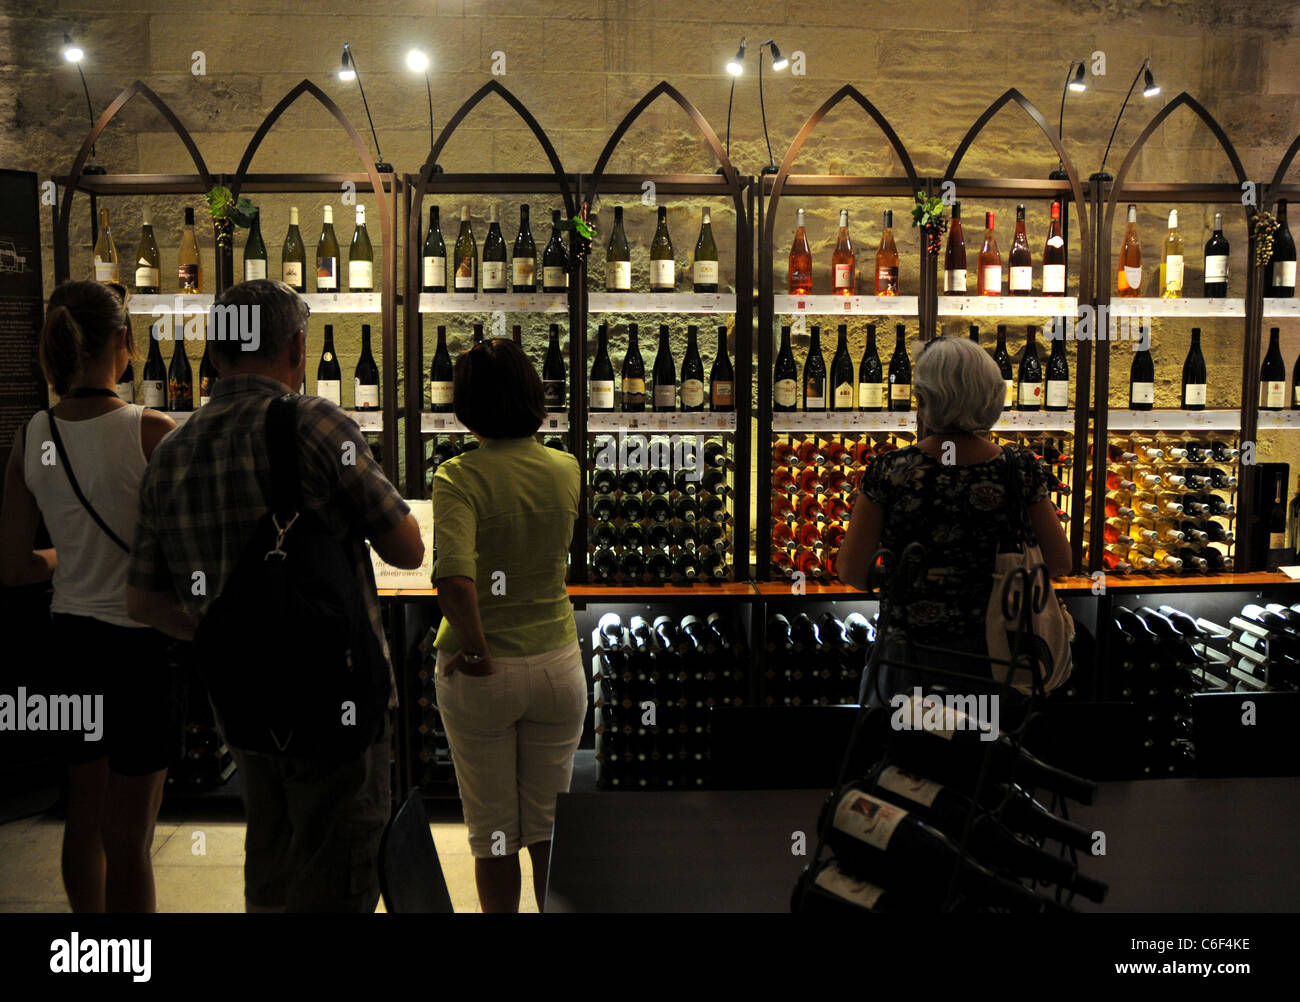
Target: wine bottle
{"x": 327, "y": 255}
{"x": 494, "y": 255}
{"x": 365, "y": 382}
{"x": 1216, "y": 261}
{"x": 207, "y": 375}
{"x": 954, "y": 256}
{"x": 799, "y": 275}
{"x": 553, "y": 373}
{"x": 180, "y": 380}
{"x": 900, "y": 373}
{"x": 887, "y": 259}
{"x": 1142, "y": 381}
{"x": 1272, "y": 376}
{"x": 814, "y": 374}
{"x": 1054, "y": 255}
{"x": 107, "y": 268}
{"x": 555, "y": 259}
{"x": 433, "y": 257}
{"x": 618, "y": 258}
{"x": 785, "y": 376}
{"x": 692, "y": 372}
{"x": 722, "y": 377}
{"x": 602, "y": 374}
{"x": 844, "y": 270}
{"x": 466, "y": 252}
{"x": 153, "y": 380}
{"x": 665, "y": 374}
{"x": 1281, "y": 274}
{"x": 840, "y": 396}
{"x": 1058, "y": 377}
{"x": 871, "y": 384}
{"x": 1194, "y": 375}
{"x": 189, "y": 267}
{"x": 148, "y": 271}
{"x": 990, "y": 261}
{"x": 1003, "y": 359}
{"x": 329, "y": 377}
{"x": 604, "y": 563}
{"x": 1031, "y": 374}
{"x": 704, "y": 270}
{"x": 523, "y": 266}
{"x": 1128, "y": 283}
{"x": 125, "y": 386}
{"x": 517, "y": 334}
{"x": 663, "y": 266}
{"x": 293, "y": 256}
{"x": 1171, "y": 261}
{"x": 1020, "y": 262}
{"x": 633, "y": 374}
{"x": 441, "y": 377}
{"x": 255, "y": 250}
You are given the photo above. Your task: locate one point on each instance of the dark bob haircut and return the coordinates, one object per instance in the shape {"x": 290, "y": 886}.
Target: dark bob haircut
{"x": 496, "y": 391}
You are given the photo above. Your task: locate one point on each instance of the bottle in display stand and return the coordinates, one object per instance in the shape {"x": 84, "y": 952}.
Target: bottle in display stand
{"x": 553, "y": 373}
{"x": 1003, "y": 358}
{"x": 900, "y": 373}
{"x": 618, "y": 258}
{"x": 1054, "y": 256}
{"x": 107, "y": 268}
{"x": 125, "y": 387}
{"x": 466, "y": 257}
{"x": 493, "y": 276}
{"x": 523, "y": 266}
{"x": 433, "y": 256}
{"x": 887, "y": 260}
{"x": 1142, "y": 381}
{"x": 954, "y": 256}
{"x": 555, "y": 259}
{"x": 327, "y": 255}
{"x": 207, "y": 375}
{"x": 180, "y": 379}
{"x": 785, "y": 376}
{"x": 844, "y": 267}
{"x": 692, "y": 372}
{"x": 1031, "y": 374}
{"x": 1216, "y": 261}
{"x": 1171, "y": 261}
{"x": 871, "y": 380}
{"x": 814, "y": 374}
{"x": 990, "y": 261}
{"x": 365, "y": 383}
{"x": 704, "y": 270}
{"x": 633, "y": 374}
{"x": 1272, "y": 376}
{"x": 665, "y": 374}
{"x": 293, "y": 256}
{"x": 153, "y": 380}
{"x": 799, "y": 276}
{"x": 841, "y": 375}
{"x": 255, "y": 250}
{"x": 1194, "y": 375}
{"x": 1058, "y": 377}
{"x": 663, "y": 266}
{"x": 1128, "y": 281}
{"x": 722, "y": 378}
{"x": 189, "y": 270}
{"x": 441, "y": 373}
{"x": 148, "y": 274}
{"x": 602, "y": 374}
{"x": 1020, "y": 262}
{"x": 1281, "y": 281}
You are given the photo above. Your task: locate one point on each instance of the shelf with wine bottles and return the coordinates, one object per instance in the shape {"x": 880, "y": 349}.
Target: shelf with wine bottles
{"x": 344, "y": 302}
{"x": 1279, "y": 419}
{"x": 1007, "y": 306}
{"x": 790, "y": 422}
{"x": 1174, "y": 420}
{"x": 446, "y": 424}
{"x": 825, "y": 306}
{"x": 189, "y": 304}
{"x": 682, "y": 421}
{"x": 494, "y": 302}
{"x": 1276, "y": 308}
{"x": 1182, "y": 307}
{"x": 661, "y": 302}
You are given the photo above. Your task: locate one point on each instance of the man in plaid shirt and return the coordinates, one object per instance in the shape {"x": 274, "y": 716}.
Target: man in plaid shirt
{"x": 313, "y": 827}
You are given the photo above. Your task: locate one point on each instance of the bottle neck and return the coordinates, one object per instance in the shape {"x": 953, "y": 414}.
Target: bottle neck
{"x": 329, "y": 341}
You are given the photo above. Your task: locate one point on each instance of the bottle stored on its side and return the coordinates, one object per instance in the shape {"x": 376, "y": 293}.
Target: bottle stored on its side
{"x": 441, "y": 375}
{"x": 871, "y": 380}
{"x": 365, "y": 383}
{"x": 618, "y": 257}
{"x": 1054, "y": 255}
{"x": 602, "y": 374}
{"x": 900, "y": 373}
{"x": 1281, "y": 278}
{"x": 954, "y": 256}
{"x": 293, "y": 255}
{"x": 841, "y": 375}
{"x": 327, "y": 254}
{"x": 523, "y": 266}
{"x": 785, "y": 376}
{"x": 553, "y": 373}
{"x": 494, "y": 255}
{"x": 1272, "y": 375}
{"x": 329, "y": 375}
{"x": 814, "y": 374}
{"x": 189, "y": 267}
{"x": 107, "y": 267}
{"x": 1194, "y": 375}
{"x": 1031, "y": 374}
{"x": 555, "y": 259}
{"x": 799, "y": 275}
{"x": 1216, "y": 262}
{"x": 665, "y": 374}
{"x": 148, "y": 271}
{"x": 180, "y": 379}
{"x": 722, "y": 377}
{"x": 465, "y": 279}
{"x": 704, "y": 270}
{"x": 433, "y": 257}
{"x": 692, "y": 372}
{"x": 1020, "y": 262}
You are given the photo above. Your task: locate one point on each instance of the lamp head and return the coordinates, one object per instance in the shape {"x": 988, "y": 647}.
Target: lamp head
{"x": 71, "y": 52}
{"x": 1149, "y": 87}
{"x": 779, "y": 62}
{"x": 736, "y": 65}
{"x": 417, "y": 61}
{"x": 346, "y": 69}
{"x": 1077, "y": 83}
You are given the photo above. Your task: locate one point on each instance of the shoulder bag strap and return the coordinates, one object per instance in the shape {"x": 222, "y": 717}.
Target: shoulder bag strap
{"x": 282, "y": 448}
{"x": 76, "y": 489}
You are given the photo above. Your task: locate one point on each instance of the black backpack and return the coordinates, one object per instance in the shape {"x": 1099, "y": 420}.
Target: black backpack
{"x": 287, "y": 651}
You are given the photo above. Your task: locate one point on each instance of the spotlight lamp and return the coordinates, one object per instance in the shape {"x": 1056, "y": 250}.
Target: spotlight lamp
{"x": 779, "y": 62}
{"x": 1149, "y": 89}
{"x": 72, "y": 52}
{"x": 417, "y": 61}
{"x": 736, "y": 65}
{"x": 348, "y": 71}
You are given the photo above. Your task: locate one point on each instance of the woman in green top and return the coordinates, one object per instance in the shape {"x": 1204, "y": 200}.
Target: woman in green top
{"x": 511, "y": 688}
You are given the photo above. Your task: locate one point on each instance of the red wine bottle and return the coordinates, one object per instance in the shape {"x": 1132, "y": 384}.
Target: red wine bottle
{"x": 1194, "y": 376}
{"x": 1216, "y": 262}
{"x": 785, "y": 376}
{"x": 814, "y": 374}
{"x": 900, "y": 373}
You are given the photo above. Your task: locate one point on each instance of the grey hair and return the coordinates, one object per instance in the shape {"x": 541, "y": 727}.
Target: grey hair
{"x": 279, "y": 313}
{"x": 958, "y": 386}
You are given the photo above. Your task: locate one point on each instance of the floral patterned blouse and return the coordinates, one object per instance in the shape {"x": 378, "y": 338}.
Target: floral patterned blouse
{"x": 959, "y": 514}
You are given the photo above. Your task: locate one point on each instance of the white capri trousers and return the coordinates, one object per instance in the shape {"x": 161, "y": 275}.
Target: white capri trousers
{"x": 512, "y": 736}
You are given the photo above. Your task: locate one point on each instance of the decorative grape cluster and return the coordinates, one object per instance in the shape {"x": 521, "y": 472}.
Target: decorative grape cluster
{"x": 1265, "y": 227}
{"x": 928, "y": 214}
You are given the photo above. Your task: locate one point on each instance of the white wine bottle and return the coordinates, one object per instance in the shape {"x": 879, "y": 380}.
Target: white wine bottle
{"x": 293, "y": 256}
{"x": 148, "y": 275}
{"x": 494, "y": 255}
{"x": 189, "y": 268}
{"x": 618, "y": 259}
{"x": 361, "y": 257}
{"x": 523, "y": 265}
{"x": 704, "y": 272}
{"x": 663, "y": 266}
{"x": 466, "y": 252}
{"x": 433, "y": 258}
{"x": 254, "y": 251}
{"x": 327, "y": 255}
{"x": 1171, "y": 261}
{"x": 106, "y": 264}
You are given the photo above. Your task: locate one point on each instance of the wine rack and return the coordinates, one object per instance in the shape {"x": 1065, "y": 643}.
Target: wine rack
{"x": 815, "y": 659}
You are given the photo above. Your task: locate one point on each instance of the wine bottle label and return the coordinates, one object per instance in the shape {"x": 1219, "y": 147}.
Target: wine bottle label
{"x": 871, "y": 395}
{"x": 1031, "y": 394}
{"x": 153, "y": 393}
{"x": 886, "y": 279}
{"x": 954, "y": 282}
{"x": 1174, "y": 273}
{"x": 844, "y": 277}
{"x": 1143, "y": 393}
{"x": 554, "y": 277}
{"x": 1058, "y": 393}
{"x": 799, "y": 281}
{"x": 523, "y": 271}
{"x": 1216, "y": 268}
{"x": 465, "y": 274}
{"x": 993, "y": 278}
{"x": 187, "y": 277}
{"x": 857, "y": 892}
{"x": 633, "y": 393}
{"x": 1284, "y": 274}
{"x": 254, "y": 268}
{"x": 1133, "y": 276}
{"x": 1022, "y": 278}
{"x": 705, "y": 273}
{"x": 914, "y": 788}
{"x": 1053, "y": 280}
{"x": 330, "y": 389}
{"x": 180, "y": 395}
{"x": 666, "y": 395}
{"x": 1009, "y": 397}
{"x": 553, "y": 394}
{"x": 724, "y": 393}
{"x": 867, "y": 819}
{"x": 361, "y": 275}
{"x": 1195, "y": 393}
{"x": 900, "y": 391}
{"x": 291, "y": 273}
{"x": 602, "y": 394}
{"x": 126, "y": 391}
{"x": 435, "y": 271}
{"x": 1274, "y": 394}
{"x": 494, "y": 276}
{"x": 103, "y": 270}
{"x": 692, "y": 392}
{"x": 204, "y": 399}
{"x": 842, "y": 399}
{"x": 787, "y": 391}
{"x": 619, "y": 275}
{"x": 327, "y": 274}
{"x": 663, "y": 274}
{"x": 365, "y": 394}
{"x": 440, "y": 394}
{"x": 147, "y": 278}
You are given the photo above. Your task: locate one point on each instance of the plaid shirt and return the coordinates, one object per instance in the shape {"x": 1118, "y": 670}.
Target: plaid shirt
{"x": 208, "y": 482}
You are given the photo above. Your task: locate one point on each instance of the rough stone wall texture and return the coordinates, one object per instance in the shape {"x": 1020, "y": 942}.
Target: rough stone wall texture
{"x": 579, "y": 65}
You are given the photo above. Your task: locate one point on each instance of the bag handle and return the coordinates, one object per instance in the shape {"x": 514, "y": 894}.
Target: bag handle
{"x": 1024, "y": 530}
{"x": 282, "y": 448}
{"x": 76, "y": 488}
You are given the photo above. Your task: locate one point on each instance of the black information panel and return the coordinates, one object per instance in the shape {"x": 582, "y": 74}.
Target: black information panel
{"x": 22, "y": 387}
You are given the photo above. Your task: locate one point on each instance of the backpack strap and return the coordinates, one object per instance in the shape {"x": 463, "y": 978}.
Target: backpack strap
{"x": 76, "y": 488}
{"x": 282, "y": 447}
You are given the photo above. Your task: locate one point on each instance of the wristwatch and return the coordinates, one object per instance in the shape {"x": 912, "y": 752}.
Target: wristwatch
{"x": 472, "y": 659}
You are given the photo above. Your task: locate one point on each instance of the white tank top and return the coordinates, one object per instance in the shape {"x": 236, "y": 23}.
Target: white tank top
{"x": 109, "y": 463}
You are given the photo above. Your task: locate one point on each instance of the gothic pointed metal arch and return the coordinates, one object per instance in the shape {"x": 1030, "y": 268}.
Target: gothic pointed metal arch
{"x": 137, "y": 89}
{"x": 848, "y": 91}
{"x": 1285, "y": 165}
{"x": 495, "y": 87}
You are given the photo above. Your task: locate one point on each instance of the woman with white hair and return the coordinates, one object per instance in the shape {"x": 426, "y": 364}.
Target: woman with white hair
{"x": 950, "y": 492}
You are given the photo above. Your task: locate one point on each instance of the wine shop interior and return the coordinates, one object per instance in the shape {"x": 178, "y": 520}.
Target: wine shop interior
{"x": 751, "y": 274}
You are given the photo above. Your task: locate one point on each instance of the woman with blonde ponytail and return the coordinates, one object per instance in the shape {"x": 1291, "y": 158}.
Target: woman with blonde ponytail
{"x": 78, "y": 467}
